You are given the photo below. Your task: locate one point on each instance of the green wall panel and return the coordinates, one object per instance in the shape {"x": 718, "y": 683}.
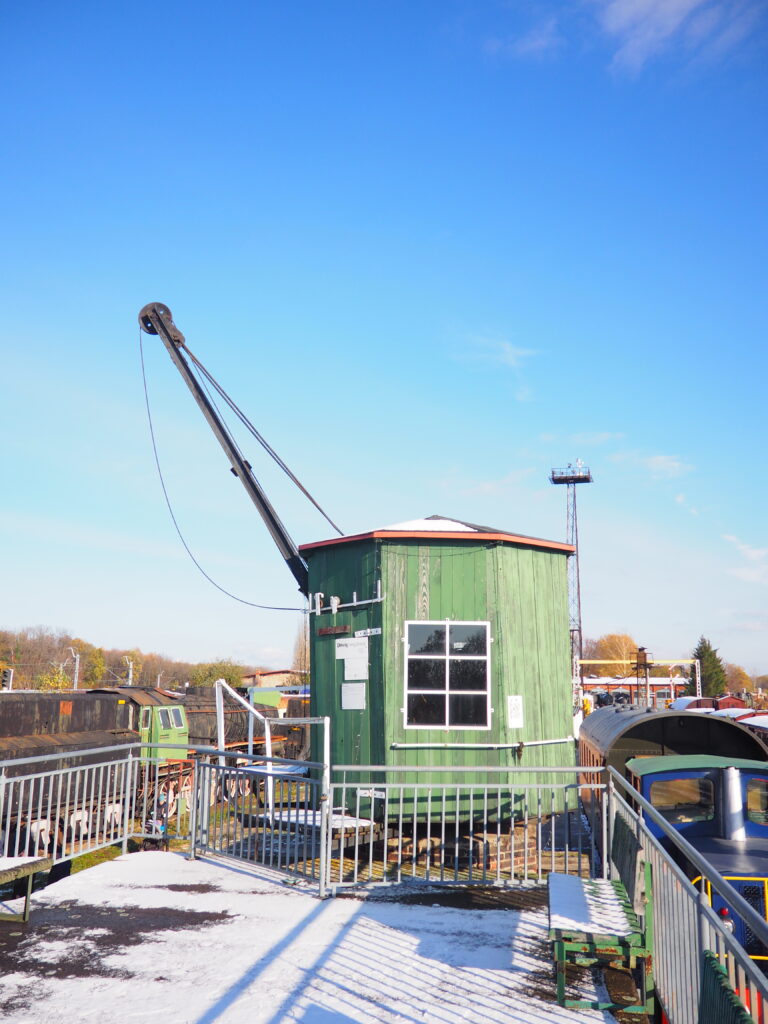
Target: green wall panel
{"x": 523, "y": 593}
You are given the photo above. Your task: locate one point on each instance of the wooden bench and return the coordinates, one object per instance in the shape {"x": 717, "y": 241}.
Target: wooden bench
{"x": 608, "y": 921}
{"x": 14, "y": 868}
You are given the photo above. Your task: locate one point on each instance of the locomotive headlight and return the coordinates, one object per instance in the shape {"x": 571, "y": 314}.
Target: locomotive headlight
{"x": 725, "y": 919}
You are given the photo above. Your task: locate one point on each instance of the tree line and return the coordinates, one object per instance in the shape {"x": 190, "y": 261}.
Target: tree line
{"x": 46, "y": 659}
{"x": 717, "y": 676}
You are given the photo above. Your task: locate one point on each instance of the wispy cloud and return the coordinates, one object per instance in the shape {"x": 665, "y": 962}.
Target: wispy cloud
{"x": 661, "y": 467}
{"x": 752, "y": 554}
{"x": 645, "y": 29}
{"x": 666, "y": 465}
{"x": 639, "y": 31}
{"x": 502, "y": 485}
{"x": 680, "y": 499}
{"x": 501, "y": 352}
{"x": 756, "y": 569}
{"x": 756, "y": 622}
{"x": 540, "y": 40}
{"x": 497, "y": 352}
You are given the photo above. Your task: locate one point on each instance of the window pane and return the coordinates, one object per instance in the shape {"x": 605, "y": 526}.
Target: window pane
{"x": 426, "y": 674}
{"x": 466, "y": 710}
{"x": 757, "y": 801}
{"x": 426, "y": 638}
{"x": 426, "y": 709}
{"x": 467, "y": 640}
{"x": 165, "y": 718}
{"x": 467, "y": 675}
{"x": 684, "y": 800}
{"x": 178, "y": 718}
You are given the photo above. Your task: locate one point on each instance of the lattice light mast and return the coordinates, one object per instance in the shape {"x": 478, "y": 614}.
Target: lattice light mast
{"x": 570, "y": 476}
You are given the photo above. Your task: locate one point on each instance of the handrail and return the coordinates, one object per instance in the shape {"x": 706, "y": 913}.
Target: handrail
{"x": 748, "y": 914}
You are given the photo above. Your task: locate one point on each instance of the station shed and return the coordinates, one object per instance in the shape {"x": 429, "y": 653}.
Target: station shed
{"x": 441, "y": 643}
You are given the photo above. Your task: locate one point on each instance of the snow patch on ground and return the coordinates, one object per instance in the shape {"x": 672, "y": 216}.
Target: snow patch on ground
{"x": 156, "y": 937}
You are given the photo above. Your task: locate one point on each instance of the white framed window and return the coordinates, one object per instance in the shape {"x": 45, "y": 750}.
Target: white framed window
{"x": 447, "y": 675}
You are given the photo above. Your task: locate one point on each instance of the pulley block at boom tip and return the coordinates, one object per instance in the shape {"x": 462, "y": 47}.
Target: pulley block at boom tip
{"x": 156, "y": 318}
{"x": 160, "y": 311}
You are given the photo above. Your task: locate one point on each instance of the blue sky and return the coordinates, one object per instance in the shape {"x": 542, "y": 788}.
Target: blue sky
{"x": 433, "y": 250}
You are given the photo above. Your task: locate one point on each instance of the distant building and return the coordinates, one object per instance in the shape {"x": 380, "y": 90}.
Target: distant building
{"x": 276, "y": 677}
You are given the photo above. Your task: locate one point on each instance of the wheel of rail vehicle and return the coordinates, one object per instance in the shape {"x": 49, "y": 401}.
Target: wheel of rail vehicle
{"x": 167, "y": 798}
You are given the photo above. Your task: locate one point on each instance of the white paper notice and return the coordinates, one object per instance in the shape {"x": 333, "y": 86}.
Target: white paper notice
{"x": 515, "y": 712}
{"x": 354, "y": 652}
{"x": 353, "y": 696}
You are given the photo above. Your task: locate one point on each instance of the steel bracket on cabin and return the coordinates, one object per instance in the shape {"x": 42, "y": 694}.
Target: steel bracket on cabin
{"x": 316, "y": 606}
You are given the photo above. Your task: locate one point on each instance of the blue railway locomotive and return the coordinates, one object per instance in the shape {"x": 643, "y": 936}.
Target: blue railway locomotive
{"x": 720, "y": 805}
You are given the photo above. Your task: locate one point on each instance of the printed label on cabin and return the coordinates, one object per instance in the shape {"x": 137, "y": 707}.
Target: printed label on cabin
{"x": 354, "y": 652}
{"x": 367, "y": 632}
{"x": 515, "y": 712}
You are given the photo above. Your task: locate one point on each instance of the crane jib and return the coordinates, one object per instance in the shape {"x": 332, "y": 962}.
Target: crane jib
{"x": 156, "y": 318}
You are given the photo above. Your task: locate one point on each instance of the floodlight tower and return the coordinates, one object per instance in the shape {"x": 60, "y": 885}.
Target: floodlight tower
{"x": 572, "y": 475}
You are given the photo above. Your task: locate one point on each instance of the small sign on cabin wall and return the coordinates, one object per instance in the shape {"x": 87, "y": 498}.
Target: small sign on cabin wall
{"x": 354, "y": 653}
{"x": 333, "y": 630}
{"x": 353, "y": 696}
{"x": 515, "y": 712}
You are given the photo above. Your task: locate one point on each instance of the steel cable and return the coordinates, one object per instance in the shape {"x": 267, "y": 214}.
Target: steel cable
{"x": 242, "y": 600}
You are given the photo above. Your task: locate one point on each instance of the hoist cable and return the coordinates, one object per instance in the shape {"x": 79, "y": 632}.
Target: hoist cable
{"x": 255, "y": 433}
{"x": 242, "y": 600}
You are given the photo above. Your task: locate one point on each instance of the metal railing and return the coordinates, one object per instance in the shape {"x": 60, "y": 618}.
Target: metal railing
{"x": 263, "y": 809}
{"x": 260, "y": 811}
{"x": 488, "y": 826}
{"x": 384, "y": 825}
{"x": 68, "y": 804}
{"x": 685, "y": 924}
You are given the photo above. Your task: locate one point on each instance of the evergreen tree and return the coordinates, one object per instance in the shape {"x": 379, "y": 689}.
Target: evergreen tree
{"x": 713, "y": 680}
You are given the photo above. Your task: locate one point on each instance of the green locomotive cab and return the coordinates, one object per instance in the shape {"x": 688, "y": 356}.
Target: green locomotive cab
{"x": 163, "y": 725}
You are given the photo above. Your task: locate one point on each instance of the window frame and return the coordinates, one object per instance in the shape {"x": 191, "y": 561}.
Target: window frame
{"x": 446, "y": 691}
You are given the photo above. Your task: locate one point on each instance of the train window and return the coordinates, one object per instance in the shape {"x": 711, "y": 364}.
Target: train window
{"x": 144, "y": 718}
{"x": 683, "y": 800}
{"x": 165, "y": 719}
{"x": 178, "y": 718}
{"x": 757, "y": 801}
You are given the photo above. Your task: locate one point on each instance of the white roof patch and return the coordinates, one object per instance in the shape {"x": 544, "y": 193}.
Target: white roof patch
{"x": 434, "y": 525}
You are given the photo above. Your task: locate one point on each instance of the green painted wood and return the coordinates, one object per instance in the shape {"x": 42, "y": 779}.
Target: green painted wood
{"x": 521, "y": 591}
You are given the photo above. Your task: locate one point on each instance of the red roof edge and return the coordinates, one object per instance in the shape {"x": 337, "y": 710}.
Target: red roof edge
{"x": 513, "y": 538}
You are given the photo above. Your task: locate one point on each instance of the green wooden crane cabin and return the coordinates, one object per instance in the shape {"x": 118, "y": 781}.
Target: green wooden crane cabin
{"x": 437, "y": 642}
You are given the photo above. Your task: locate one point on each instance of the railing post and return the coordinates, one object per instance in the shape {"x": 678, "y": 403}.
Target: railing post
{"x": 193, "y": 811}
{"x": 206, "y": 777}
{"x": 128, "y": 802}
{"x": 325, "y": 807}
{"x": 701, "y": 902}
{"x": 609, "y": 809}
{"x": 2, "y": 809}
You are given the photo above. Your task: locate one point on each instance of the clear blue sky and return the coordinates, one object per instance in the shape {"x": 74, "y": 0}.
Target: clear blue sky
{"x": 433, "y": 249}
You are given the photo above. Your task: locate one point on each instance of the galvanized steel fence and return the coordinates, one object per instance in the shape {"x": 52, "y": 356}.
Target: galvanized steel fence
{"x": 488, "y": 826}
{"x": 262, "y": 810}
{"x": 59, "y": 807}
{"x": 379, "y": 825}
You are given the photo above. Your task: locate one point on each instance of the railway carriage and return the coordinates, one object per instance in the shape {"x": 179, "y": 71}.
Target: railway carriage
{"x": 720, "y": 806}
